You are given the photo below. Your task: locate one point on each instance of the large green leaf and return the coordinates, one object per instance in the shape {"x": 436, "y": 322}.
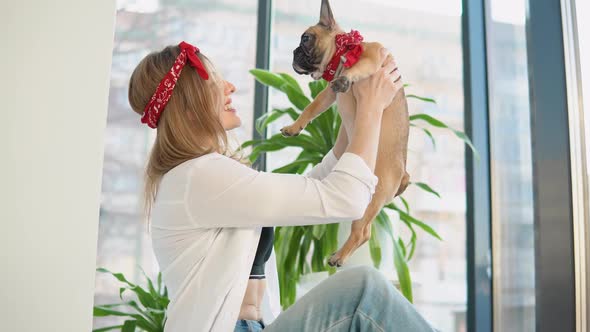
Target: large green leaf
{"x": 318, "y": 231}
{"x": 267, "y": 78}
{"x": 303, "y": 250}
{"x": 317, "y": 86}
{"x": 291, "y": 81}
{"x": 298, "y": 99}
{"x": 267, "y": 118}
{"x": 129, "y": 326}
{"x": 294, "y": 166}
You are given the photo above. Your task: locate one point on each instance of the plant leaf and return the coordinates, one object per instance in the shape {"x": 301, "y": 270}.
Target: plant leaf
{"x": 403, "y": 272}
{"x": 129, "y": 326}
{"x": 298, "y": 99}
{"x": 375, "y": 247}
{"x": 102, "y": 311}
{"x": 406, "y": 217}
{"x": 303, "y": 250}
{"x": 399, "y": 260}
{"x": 291, "y": 81}
{"x": 427, "y": 132}
{"x": 402, "y": 246}
{"x": 405, "y": 203}
{"x": 426, "y": 188}
{"x": 315, "y": 87}
{"x": 318, "y": 231}
{"x": 109, "y": 328}
{"x": 151, "y": 287}
{"x": 425, "y": 99}
{"x": 267, "y": 78}
{"x": 119, "y": 276}
{"x": 437, "y": 123}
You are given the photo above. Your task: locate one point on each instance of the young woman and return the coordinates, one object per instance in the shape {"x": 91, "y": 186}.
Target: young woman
{"x": 212, "y": 215}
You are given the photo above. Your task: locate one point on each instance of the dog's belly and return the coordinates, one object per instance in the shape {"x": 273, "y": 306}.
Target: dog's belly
{"x": 393, "y": 140}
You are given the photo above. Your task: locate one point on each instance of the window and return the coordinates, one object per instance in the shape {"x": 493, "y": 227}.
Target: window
{"x": 221, "y": 29}
{"x": 511, "y": 168}
{"x": 425, "y": 38}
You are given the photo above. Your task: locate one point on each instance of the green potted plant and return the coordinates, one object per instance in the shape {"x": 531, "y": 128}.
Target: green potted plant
{"x": 146, "y": 310}
{"x": 293, "y": 245}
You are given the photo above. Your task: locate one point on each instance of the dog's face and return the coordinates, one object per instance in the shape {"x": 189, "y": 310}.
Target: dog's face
{"x": 317, "y": 45}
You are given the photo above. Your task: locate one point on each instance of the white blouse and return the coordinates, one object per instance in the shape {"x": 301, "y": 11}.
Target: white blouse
{"x": 206, "y": 224}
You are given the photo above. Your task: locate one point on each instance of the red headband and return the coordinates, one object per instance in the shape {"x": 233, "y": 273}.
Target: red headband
{"x": 156, "y": 105}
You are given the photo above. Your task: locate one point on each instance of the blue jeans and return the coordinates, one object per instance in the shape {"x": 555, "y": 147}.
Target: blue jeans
{"x": 354, "y": 299}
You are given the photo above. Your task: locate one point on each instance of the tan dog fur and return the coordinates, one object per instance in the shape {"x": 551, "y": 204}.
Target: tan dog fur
{"x": 390, "y": 166}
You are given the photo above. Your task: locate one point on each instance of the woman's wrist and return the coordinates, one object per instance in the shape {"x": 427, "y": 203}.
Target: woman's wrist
{"x": 341, "y": 142}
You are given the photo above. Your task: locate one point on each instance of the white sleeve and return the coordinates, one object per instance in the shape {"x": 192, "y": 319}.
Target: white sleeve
{"x": 221, "y": 192}
{"x": 322, "y": 169}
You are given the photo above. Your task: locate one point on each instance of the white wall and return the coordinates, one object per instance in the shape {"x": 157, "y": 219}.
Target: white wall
{"x": 54, "y": 64}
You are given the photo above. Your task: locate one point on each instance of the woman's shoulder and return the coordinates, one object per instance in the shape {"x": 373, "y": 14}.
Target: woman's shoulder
{"x": 208, "y": 165}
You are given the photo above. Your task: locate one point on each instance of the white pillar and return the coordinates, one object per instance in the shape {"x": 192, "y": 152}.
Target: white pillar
{"x": 55, "y": 59}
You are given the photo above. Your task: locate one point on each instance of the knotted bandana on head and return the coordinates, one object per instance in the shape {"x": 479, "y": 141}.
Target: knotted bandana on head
{"x": 348, "y": 46}
{"x": 153, "y": 110}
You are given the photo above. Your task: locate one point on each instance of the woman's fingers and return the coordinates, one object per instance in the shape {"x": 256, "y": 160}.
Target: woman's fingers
{"x": 389, "y": 67}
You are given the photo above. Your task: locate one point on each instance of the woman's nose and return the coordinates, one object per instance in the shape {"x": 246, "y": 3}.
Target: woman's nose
{"x": 229, "y": 88}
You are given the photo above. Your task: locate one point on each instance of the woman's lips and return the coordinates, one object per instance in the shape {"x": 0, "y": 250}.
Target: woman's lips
{"x": 229, "y": 108}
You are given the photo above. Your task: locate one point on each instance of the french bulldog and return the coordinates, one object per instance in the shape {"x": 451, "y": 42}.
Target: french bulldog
{"x": 319, "y": 54}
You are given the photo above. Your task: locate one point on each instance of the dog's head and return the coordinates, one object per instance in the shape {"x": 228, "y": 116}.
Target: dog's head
{"x": 317, "y": 45}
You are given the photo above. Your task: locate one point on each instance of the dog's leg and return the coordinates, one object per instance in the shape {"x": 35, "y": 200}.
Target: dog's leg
{"x": 321, "y": 103}
{"x": 361, "y": 229}
{"x": 367, "y": 65}
{"x": 390, "y": 168}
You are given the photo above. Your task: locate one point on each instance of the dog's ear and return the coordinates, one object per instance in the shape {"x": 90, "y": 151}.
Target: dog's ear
{"x": 326, "y": 16}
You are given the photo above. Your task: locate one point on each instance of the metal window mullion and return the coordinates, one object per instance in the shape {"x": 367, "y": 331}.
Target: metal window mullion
{"x": 552, "y": 190}
{"x": 478, "y": 218}
{"x": 263, "y": 32}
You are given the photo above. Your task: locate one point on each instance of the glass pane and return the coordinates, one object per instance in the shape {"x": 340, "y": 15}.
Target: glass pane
{"x": 510, "y": 149}
{"x": 221, "y": 29}
{"x": 425, "y": 38}
{"x": 583, "y": 29}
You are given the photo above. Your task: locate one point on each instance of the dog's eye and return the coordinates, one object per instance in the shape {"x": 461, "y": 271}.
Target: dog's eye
{"x": 305, "y": 38}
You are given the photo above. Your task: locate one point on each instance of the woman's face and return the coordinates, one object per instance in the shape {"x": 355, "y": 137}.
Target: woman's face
{"x": 228, "y": 115}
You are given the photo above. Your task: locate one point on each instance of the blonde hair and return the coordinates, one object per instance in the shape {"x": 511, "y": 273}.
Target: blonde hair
{"x": 189, "y": 126}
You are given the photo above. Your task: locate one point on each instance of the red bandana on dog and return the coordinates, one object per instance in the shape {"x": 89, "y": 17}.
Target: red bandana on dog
{"x": 153, "y": 110}
{"x": 347, "y": 45}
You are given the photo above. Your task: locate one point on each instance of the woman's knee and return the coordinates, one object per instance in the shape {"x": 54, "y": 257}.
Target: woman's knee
{"x": 368, "y": 277}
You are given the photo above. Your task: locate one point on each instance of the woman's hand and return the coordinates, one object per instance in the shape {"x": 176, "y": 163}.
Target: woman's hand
{"x": 381, "y": 87}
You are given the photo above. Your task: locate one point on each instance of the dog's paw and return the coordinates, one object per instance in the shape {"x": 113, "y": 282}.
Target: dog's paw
{"x": 340, "y": 84}
{"x": 335, "y": 260}
{"x": 291, "y": 130}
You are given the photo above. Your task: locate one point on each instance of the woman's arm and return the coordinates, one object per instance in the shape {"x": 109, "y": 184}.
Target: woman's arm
{"x": 322, "y": 169}
{"x": 341, "y": 142}
{"x": 221, "y": 192}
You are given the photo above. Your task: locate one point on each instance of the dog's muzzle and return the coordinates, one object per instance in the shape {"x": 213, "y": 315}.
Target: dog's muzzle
{"x": 303, "y": 61}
